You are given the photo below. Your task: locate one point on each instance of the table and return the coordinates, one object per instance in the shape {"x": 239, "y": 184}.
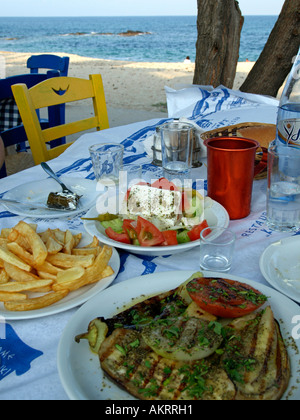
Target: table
{"x": 31, "y": 345}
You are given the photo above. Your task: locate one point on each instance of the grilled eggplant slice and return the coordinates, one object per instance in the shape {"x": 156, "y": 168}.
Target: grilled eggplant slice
{"x": 257, "y": 360}
{"x": 127, "y": 359}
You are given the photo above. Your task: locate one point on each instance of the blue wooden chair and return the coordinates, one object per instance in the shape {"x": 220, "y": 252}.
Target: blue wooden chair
{"x": 16, "y": 134}
{"x": 52, "y": 62}
{"x": 49, "y": 62}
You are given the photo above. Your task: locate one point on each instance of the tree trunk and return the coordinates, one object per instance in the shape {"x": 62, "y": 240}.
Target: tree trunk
{"x": 219, "y": 26}
{"x": 275, "y": 61}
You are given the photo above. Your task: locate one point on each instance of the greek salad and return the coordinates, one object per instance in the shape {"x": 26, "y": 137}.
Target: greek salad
{"x": 159, "y": 214}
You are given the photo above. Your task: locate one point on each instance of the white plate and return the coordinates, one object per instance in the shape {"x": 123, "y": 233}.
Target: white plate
{"x": 280, "y": 266}
{"x": 79, "y": 369}
{"x": 215, "y": 215}
{"x": 73, "y": 299}
{"x": 38, "y": 191}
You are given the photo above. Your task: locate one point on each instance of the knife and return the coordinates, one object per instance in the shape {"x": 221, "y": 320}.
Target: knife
{"x": 32, "y": 206}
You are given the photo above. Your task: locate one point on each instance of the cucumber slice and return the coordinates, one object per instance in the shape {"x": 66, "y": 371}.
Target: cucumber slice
{"x": 116, "y": 224}
{"x": 182, "y": 237}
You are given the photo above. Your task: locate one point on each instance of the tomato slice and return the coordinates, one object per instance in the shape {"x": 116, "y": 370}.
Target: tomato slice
{"x": 194, "y": 234}
{"x": 148, "y": 234}
{"x": 225, "y": 298}
{"x": 170, "y": 237}
{"x": 164, "y": 184}
{"x": 129, "y": 226}
{"x": 119, "y": 237}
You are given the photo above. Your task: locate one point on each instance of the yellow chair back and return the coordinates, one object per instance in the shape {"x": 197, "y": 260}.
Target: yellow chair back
{"x": 55, "y": 91}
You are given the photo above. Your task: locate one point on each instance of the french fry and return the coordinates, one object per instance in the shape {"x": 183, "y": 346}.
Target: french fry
{"x": 47, "y": 267}
{"x": 44, "y": 289}
{"x": 53, "y": 247}
{"x": 36, "y": 303}
{"x": 15, "y": 273}
{"x": 69, "y": 279}
{"x": 4, "y": 277}
{"x": 8, "y": 297}
{"x": 77, "y": 239}
{"x": 108, "y": 271}
{"x": 38, "y": 248}
{"x": 21, "y": 252}
{"x": 45, "y": 235}
{"x": 59, "y": 235}
{"x": 69, "y": 242}
{"x": 91, "y": 274}
{"x": 68, "y": 261}
{"x": 23, "y": 286}
{"x": 8, "y": 256}
{"x": 86, "y": 251}
{"x": 13, "y": 235}
{"x": 93, "y": 244}
{"x": 44, "y": 275}
{"x": 5, "y": 232}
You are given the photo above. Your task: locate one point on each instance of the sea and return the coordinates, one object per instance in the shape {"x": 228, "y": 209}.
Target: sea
{"x": 153, "y": 39}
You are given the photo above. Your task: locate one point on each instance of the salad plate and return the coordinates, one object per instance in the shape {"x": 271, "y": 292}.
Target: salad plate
{"x": 280, "y": 266}
{"x": 214, "y": 213}
{"x": 79, "y": 369}
{"x": 37, "y": 192}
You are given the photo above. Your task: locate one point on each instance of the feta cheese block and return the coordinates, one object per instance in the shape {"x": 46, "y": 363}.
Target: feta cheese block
{"x": 161, "y": 207}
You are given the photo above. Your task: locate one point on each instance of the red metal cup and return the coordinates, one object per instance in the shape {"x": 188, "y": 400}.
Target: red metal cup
{"x": 230, "y": 173}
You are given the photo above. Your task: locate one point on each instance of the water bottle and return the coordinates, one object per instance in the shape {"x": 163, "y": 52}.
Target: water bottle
{"x": 288, "y": 119}
{"x": 283, "y": 196}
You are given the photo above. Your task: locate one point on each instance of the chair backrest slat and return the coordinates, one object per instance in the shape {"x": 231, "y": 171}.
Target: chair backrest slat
{"x": 61, "y": 91}
{"x": 48, "y": 61}
{"x": 71, "y": 128}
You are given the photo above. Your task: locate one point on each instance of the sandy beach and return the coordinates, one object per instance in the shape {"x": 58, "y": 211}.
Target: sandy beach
{"x": 134, "y": 90}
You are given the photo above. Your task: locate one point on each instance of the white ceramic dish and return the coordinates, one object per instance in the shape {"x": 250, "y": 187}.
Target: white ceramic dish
{"x": 79, "y": 369}
{"x": 280, "y": 266}
{"x": 74, "y": 298}
{"x": 38, "y": 191}
{"x": 215, "y": 215}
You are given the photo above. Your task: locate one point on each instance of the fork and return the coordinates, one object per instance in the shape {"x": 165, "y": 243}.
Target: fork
{"x": 50, "y": 172}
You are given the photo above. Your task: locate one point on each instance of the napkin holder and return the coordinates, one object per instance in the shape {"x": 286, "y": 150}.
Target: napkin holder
{"x": 199, "y": 151}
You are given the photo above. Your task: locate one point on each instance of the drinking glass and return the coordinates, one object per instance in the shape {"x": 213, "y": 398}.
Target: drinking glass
{"x": 216, "y": 249}
{"x": 107, "y": 160}
{"x": 177, "y": 150}
{"x": 230, "y": 173}
{"x": 283, "y": 194}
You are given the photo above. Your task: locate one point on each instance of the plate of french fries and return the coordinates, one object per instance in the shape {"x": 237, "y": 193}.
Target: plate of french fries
{"x": 42, "y": 273}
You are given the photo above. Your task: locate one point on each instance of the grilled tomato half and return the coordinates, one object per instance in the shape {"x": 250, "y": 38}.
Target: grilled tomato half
{"x": 225, "y": 298}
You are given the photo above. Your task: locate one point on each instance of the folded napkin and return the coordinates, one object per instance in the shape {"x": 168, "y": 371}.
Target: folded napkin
{"x": 199, "y": 101}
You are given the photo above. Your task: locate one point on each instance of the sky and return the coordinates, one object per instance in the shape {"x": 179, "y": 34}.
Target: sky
{"x": 125, "y": 7}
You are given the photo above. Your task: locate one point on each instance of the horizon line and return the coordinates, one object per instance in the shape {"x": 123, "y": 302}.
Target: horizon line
{"x": 106, "y": 16}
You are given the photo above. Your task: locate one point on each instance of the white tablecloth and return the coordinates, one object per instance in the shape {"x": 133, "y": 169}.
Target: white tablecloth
{"x": 28, "y": 353}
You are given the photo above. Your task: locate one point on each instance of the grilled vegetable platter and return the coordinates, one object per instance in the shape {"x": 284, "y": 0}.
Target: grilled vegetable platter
{"x": 182, "y": 336}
